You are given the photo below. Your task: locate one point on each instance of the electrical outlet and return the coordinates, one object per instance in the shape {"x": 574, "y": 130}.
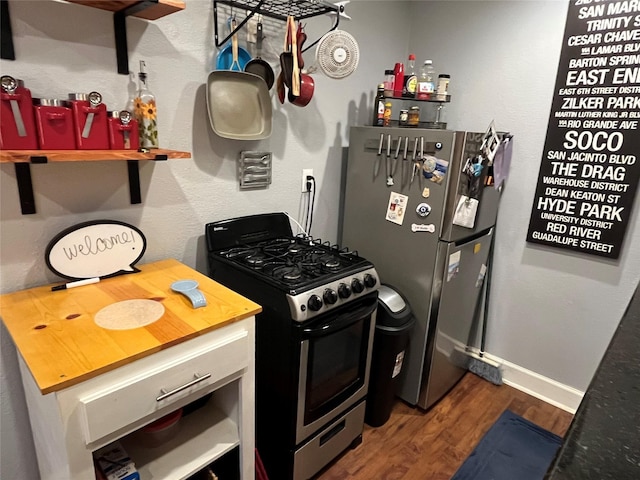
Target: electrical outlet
{"x": 305, "y": 173}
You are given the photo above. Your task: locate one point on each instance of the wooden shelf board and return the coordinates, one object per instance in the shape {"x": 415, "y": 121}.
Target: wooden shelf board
{"x": 153, "y": 12}
{"x": 24, "y": 156}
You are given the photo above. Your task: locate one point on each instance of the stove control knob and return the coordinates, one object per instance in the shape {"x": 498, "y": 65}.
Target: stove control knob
{"x": 344, "y": 290}
{"x": 357, "y": 285}
{"x": 314, "y": 303}
{"x": 330, "y": 296}
{"x": 369, "y": 280}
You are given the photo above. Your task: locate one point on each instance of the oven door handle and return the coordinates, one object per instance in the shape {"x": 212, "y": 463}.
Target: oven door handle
{"x": 342, "y": 321}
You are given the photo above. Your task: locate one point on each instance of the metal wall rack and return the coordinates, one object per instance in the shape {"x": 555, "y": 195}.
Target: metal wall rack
{"x": 278, "y": 9}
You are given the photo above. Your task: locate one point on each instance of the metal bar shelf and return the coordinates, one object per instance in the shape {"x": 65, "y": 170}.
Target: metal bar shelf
{"x": 278, "y": 9}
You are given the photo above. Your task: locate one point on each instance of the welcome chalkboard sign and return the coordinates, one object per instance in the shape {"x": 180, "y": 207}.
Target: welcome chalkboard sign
{"x": 100, "y": 248}
{"x": 590, "y": 167}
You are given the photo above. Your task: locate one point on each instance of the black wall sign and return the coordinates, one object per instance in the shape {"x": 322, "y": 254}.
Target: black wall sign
{"x": 590, "y": 166}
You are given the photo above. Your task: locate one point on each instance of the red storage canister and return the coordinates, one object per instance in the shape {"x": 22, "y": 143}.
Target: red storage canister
{"x": 54, "y": 122}
{"x": 17, "y": 124}
{"x": 90, "y": 121}
{"x": 123, "y": 131}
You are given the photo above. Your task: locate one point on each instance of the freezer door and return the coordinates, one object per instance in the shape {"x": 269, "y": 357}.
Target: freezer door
{"x": 455, "y": 307}
{"x": 404, "y": 258}
{"x": 489, "y": 198}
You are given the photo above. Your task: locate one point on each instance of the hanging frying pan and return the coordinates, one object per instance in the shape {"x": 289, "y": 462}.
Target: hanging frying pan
{"x": 225, "y": 60}
{"x": 307, "y": 84}
{"x": 258, "y": 66}
{"x": 238, "y": 103}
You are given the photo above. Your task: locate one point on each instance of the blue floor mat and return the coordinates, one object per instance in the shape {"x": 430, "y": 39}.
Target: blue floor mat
{"x": 512, "y": 449}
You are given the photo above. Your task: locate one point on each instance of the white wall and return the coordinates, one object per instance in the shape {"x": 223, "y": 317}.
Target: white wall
{"x": 64, "y": 48}
{"x": 551, "y": 312}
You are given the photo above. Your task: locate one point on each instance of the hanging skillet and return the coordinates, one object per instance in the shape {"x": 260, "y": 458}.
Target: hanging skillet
{"x": 226, "y": 60}
{"x": 307, "y": 84}
{"x": 238, "y": 103}
{"x": 258, "y": 66}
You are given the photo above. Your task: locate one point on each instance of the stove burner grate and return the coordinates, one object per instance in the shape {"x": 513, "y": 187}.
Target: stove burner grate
{"x": 293, "y": 260}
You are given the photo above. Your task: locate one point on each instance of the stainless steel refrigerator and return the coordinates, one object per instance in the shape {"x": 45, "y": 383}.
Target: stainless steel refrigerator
{"x": 401, "y": 218}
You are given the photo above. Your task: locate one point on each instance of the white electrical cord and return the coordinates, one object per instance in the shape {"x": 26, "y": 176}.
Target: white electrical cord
{"x": 302, "y": 230}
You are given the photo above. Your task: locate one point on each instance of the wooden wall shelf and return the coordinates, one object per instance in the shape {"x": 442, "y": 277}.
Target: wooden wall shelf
{"x": 150, "y": 11}
{"x": 45, "y": 156}
{"x": 145, "y": 9}
{"x": 22, "y": 160}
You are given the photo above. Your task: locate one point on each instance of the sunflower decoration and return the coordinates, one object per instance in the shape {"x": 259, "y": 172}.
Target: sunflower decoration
{"x": 149, "y": 110}
{"x": 138, "y": 107}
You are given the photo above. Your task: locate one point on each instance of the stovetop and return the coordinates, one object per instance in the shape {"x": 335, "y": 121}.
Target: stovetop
{"x": 295, "y": 262}
{"x": 313, "y": 275}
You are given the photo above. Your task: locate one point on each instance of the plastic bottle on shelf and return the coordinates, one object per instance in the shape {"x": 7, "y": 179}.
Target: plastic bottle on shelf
{"x": 389, "y": 80}
{"x": 145, "y": 112}
{"x": 378, "y": 107}
{"x": 426, "y": 83}
{"x": 410, "y": 78}
{"x": 442, "y": 90}
{"x": 387, "y": 114}
{"x": 398, "y": 71}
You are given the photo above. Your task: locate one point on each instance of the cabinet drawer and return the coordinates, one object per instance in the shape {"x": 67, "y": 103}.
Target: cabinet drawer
{"x": 143, "y": 392}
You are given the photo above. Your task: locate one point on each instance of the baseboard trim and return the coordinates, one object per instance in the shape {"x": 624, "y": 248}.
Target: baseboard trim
{"x": 532, "y": 383}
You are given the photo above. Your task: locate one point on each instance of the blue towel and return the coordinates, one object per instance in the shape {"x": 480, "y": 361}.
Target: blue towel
{"x": 512, "y": 449}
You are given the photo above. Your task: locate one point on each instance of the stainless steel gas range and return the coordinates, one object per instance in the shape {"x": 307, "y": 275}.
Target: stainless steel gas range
{"x": 313, "y": 338}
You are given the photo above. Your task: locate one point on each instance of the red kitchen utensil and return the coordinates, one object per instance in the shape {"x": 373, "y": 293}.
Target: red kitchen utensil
{"x": 286, "y": 57}
{"x": 307, "y": 84}
{"x": 280, "y": 87}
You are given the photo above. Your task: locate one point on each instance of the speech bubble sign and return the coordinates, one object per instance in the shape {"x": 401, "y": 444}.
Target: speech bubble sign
{"x": 100, "y": 248}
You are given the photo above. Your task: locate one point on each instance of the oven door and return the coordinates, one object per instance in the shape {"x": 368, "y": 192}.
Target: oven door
{"x": 335, "y": 358}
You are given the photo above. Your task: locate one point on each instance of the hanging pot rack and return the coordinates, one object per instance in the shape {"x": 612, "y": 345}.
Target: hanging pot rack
{"x": 278, "y": 9}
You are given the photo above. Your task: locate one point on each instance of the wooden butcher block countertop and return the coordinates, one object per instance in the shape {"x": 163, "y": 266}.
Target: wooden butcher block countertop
{"x": 61, "y": 344}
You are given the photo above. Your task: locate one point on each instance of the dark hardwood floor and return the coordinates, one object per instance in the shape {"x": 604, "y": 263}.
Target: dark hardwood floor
{"x": 414, "y": 445}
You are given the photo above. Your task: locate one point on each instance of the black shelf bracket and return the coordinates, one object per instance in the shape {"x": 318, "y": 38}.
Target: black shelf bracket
{"x": 25, "y": 188}
{"x": 6, "y": 36}
{"x": 25, "y": 185}
{"x": 120, "y": 32}
{"x": 134, "y": 182}
{"x": 299, "y": 9}
{"x": 133, "y": 170}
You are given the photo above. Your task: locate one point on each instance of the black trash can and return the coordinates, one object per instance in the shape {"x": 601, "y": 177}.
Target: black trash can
{"x": 394, "y": 322}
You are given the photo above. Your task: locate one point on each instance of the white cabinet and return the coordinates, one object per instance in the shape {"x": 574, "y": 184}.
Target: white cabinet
{"x": 215, "y": 370}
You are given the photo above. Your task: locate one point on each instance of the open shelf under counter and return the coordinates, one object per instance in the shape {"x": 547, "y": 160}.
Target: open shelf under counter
{"x": 22, "y": 159}
{"x": 201, "y": 439}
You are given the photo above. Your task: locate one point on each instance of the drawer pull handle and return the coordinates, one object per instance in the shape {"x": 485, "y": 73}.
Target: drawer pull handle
{"x": 197, "y": 379}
